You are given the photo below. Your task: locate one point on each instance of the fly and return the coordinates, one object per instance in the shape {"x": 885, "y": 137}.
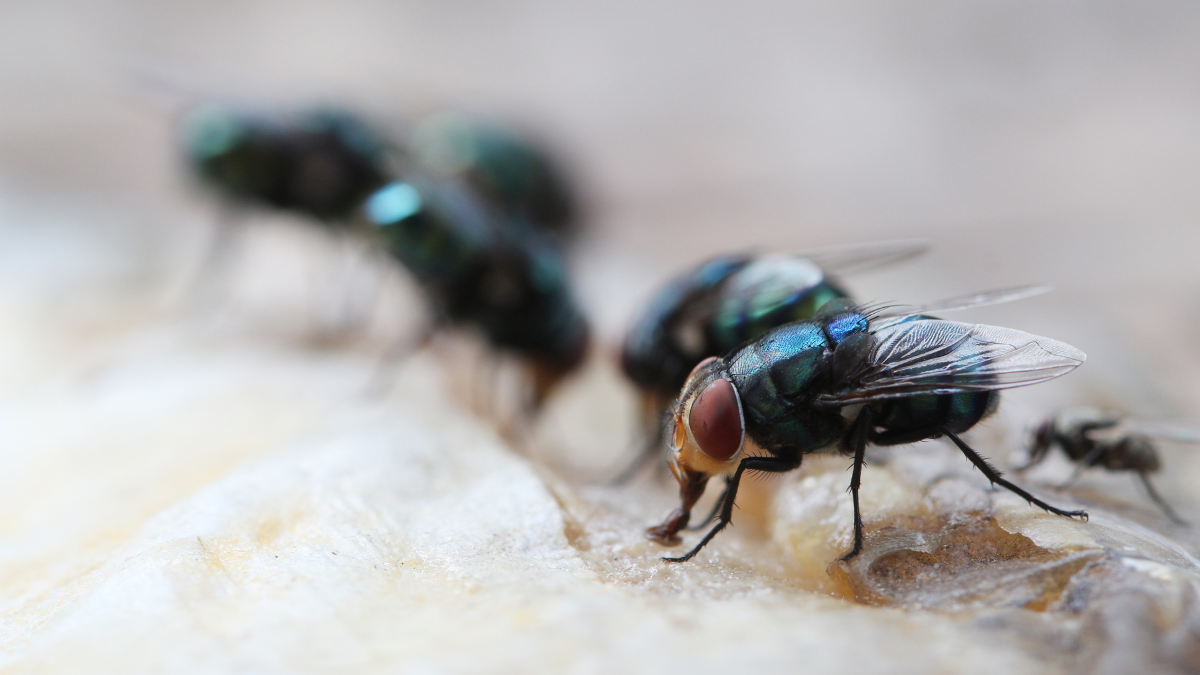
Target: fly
{"x": 724, "y": 303}
{"x": 911, "y": 377}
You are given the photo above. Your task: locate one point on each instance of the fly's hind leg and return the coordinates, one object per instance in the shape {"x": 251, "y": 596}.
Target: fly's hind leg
{"x": 383, "y": 378}
{"x": 765, "y": 464}
{"x": 993, "y": 475}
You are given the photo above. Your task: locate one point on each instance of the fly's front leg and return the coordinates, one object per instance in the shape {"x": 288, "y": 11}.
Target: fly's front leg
{"x": 654, "y": 419}
{"x": 715, "y": 509}
{"x": 691, "y": 488}
{"x": 857, "y": 441}
{"x": 765, "y": 464}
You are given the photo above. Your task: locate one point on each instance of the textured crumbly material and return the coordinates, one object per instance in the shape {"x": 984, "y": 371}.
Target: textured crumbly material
{"x": 181, "y": 497}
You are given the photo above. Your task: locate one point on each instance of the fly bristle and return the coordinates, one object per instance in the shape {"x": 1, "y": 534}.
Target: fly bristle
{"x": 873, "y": 310}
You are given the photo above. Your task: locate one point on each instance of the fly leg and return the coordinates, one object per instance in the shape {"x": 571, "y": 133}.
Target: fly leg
{"x": 383, "y": 378}
{"x": 1162, "y": 503}
{"x": 715, "y": 509}
{"x": 993, "y": 475}
{"x": 653, "y": 420}
{"x": 857, "y": 441}
{"x": 221, "y": 253}
{"x": 1088, "y": 460}
{"x": 360, "y": 283}
{"x": 765, "y": 464}
{"x": 646, "y": 454}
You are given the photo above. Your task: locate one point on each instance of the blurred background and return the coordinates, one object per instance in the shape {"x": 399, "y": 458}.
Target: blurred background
{"x": 1029, "y": 143}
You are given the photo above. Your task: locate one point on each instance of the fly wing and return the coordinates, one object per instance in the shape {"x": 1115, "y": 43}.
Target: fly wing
{"x": 863, "y": 257}
{"x": 915, "y": 356}
{"x": 956, "y": 303}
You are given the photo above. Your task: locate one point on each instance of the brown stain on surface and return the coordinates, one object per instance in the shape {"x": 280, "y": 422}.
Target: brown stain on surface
{"x": 956, "y": 561}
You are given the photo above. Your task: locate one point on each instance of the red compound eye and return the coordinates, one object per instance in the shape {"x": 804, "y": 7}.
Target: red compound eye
{"x": 716, "y": 420}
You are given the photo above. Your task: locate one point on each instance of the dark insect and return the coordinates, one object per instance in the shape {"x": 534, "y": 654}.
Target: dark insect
{"x": 481, "y": 264}
{"x": 322, "y": 163}
{"x": 1092, "y": 438}
{"x": 724, "y": 303}
{"x": 492, "y": 271}
{"x": 511, "y": 171}
{"x": 845, "y": 379}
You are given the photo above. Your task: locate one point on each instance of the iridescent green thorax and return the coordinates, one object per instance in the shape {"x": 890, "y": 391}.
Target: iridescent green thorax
{"x": 664, "y": 344}
{"x": 778, "y": 375}
{"x": 781, "y": 375}
{"x": 438, "y": 231}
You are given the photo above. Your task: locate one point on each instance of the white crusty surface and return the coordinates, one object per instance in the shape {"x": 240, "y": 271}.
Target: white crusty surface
{"x": 190, "y": 488}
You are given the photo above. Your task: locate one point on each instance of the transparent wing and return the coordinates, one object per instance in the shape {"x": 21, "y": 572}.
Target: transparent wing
{"x": 915, "y": 356}
{"x": 863, "y": 257}
{"x": 956, "y": 303}
{"x": 1179, "y": 432}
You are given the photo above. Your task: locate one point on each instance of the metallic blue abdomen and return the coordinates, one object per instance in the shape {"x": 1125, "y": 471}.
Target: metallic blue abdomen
{"x": 956, "y": 412}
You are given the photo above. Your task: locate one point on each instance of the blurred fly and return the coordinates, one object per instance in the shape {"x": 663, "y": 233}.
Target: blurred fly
{"x": 321, "y": 162}
{"x": 847, "y": 378}
{"x": 513, "y": 172}
{"x": 485, "y": 269}
{"x": 480, "y": 264}
{"x": 725, "y": 302}
{"x": 1091, "y": 438}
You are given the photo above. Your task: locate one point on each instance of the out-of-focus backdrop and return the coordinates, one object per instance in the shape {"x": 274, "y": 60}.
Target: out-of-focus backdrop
{"x": 1027, "y": 142}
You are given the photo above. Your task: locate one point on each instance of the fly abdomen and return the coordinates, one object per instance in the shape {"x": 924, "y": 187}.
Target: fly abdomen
{"x": 956, "y": 412}
{"x": 653, "y": 356}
